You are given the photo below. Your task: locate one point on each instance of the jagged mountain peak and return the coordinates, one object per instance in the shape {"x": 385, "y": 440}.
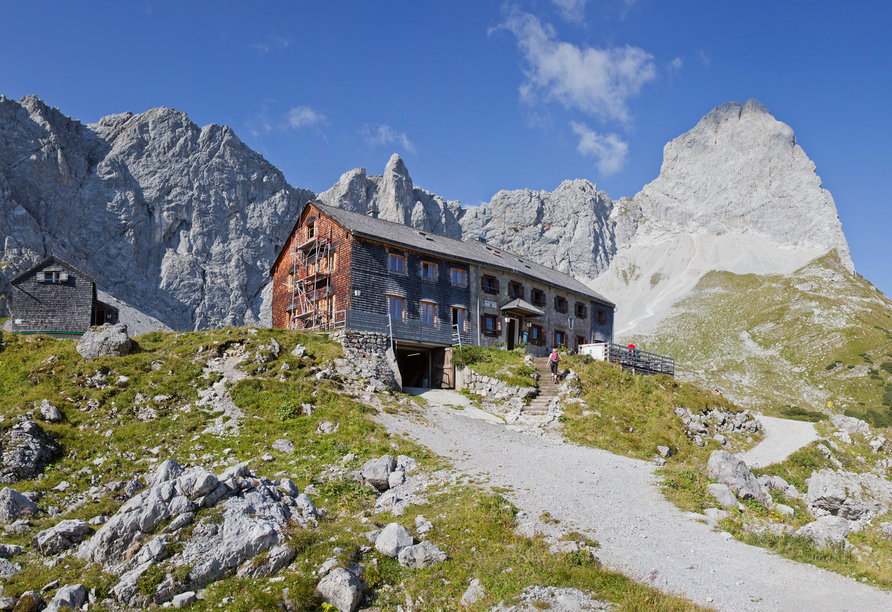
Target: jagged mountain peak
{"x": 180, "y": 221}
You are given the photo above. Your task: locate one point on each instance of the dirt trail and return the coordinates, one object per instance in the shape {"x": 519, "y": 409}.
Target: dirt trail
{"x": 614, "y": 499}
{"x": 783, "y": 437}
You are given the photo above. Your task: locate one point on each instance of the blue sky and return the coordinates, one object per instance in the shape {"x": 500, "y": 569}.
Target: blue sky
{"x": 483, "y": 95}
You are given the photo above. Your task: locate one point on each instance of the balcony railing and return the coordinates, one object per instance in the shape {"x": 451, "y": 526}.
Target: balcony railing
{"x": 641, "y": 362}
{"x": 407, "y": 328}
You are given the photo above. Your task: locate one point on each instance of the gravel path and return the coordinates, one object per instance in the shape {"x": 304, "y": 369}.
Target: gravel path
{"x": 614, "y": 500}
{"x": 783, "y": 437}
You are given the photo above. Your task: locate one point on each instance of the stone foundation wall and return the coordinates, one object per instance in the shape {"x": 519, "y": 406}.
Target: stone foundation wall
{"x": 366, "y": 356}
{"x": 492, "y": 388}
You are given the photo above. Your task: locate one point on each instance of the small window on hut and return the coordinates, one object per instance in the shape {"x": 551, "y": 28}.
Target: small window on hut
{"x": 459, "y": 277}
{"x": 460, "y": 318}
{"x": 311, "y": 230}
{"x": 491, "y": 324}
{"x": 581, "y": 310}
{"x": 538, "y": 297}
{"x": 560, "y": 304}
{"x": 515, "y": 290}
{"x": 397, "y": 263}
{"x": 537, "y": 335}
{"x": 601, "y": 316}
{"x": 428, "y": 270}
{"x": 560, "y": 338}
{"x": 490, "y": 284}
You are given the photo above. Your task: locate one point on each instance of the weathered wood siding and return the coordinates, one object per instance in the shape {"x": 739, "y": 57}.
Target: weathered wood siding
{"x": 39, "y": 306}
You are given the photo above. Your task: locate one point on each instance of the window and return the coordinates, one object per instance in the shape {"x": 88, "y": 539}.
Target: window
{"x": 311, "y": 230}
{"x": 428, "y": 270}
{"x": 428, "y": 313}
{"x": 515, "y": 290}
{"x": 397, "y": 263}
{"x": 491, "y": 324}
{"x": 460, "y": 318}
{"x": 538, "y": 297}
{"x": 396, "y": 307}
{"x": 601, "y": 316}
{"x": 581, "y": 310}
{"x": 560, "y": 304}
{"x": 490, "y": 284}
{"x": 580, "y": 340}
{"x": 560, "y": 338}
{"x": 537, "y": 335}
{"x": 459, "y": 277}
{"x": 52, "y": 276}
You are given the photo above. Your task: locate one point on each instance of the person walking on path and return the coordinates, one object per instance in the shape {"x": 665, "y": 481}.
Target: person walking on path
{"x": 553, "y": 360}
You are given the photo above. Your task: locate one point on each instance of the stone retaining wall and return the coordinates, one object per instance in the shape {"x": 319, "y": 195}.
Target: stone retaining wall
{"x": 366, "y": 354}
{"x": 491, "y": 388}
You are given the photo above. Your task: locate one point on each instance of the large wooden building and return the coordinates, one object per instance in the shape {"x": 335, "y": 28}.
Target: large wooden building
{"x": 341, "y": 269}
{"x": 54, "y": 297}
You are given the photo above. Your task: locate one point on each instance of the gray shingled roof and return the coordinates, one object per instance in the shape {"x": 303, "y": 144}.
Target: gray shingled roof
{"x": 468, "y": 251}
{"x": 57, "y": 261}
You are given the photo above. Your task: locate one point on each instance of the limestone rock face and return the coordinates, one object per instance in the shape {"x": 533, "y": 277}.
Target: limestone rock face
{"x": 178, "y": 221}
{"x": 568, "y": 229}
{"x": 396, "y": 199}
{"x": 740, "y": 171}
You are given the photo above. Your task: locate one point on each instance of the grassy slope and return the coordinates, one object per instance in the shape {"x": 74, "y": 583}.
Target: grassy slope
{"x": 473, "y": 525}
{"x": 632, "y": 415}
{"x": 768, "y": 341}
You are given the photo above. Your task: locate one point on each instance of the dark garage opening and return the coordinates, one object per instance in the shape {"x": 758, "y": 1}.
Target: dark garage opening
{"x": 414, "y": 365}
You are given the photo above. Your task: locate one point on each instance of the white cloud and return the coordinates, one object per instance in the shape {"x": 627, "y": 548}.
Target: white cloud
{"x": 572, "y": 10}
{"x": 386, "y": 135}
{"x": 272, "y": 43}
{"x": 610, "y": 152}
{"x": 674, "y": 66}
{"x": 304, "y": 116}
{"x": 704, "y": 58}
{"x": 596, "y": 81}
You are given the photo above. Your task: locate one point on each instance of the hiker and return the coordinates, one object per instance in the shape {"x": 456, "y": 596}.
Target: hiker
{"x": 553, "y": 364}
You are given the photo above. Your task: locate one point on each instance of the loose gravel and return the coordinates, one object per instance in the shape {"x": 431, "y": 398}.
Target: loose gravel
{"x": 615, "y": 500}
{"x": 783, "y": 437}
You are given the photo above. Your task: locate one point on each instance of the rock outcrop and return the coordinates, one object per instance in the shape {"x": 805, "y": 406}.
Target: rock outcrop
{"x": 189, "y": 219}
{"x": 395, "y": 198}
{"x": 26, "y": 449}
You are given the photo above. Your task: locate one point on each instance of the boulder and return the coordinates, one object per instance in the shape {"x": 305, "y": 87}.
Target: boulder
{"x": 13, "y": 505}
{"x": 392, "y": 539}
{"x": 421, "y": 555}
{"x": 167, "y": 471}
{"x": 26, "y": 451}
{"x": 30, "y": 600}
{"x": 850, "y": 425}
{"x": 732, "y": 471}
{"x": 284, "y": 446}
{"x": 376, "y": 472}
{"x": 277, "y": 559}
{"x": 184, "y": 599}
{"x": 8, "y": 569}
{"x": 105, "y": 341}
{"x": 49, "y": 412}
{"x": 473, "y": 594}
{"x": 71, "y": 597}
{"x": 826, "y": 530}
{"x": 60, "y": 537}
{"x": 341, "y": 589}
{"x": 723, "y": 495}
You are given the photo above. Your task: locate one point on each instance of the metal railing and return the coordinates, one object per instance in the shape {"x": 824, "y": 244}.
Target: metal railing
{"x": 641, "y": 362}
{"x": 405, "y": 328}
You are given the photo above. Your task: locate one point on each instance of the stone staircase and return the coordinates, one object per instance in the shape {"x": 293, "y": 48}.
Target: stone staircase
{"x": 538, "y": 406}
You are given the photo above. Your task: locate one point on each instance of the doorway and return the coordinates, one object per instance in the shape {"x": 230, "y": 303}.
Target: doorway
{"x": 512, "y": 333}
{"x": 414, "y": 366}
